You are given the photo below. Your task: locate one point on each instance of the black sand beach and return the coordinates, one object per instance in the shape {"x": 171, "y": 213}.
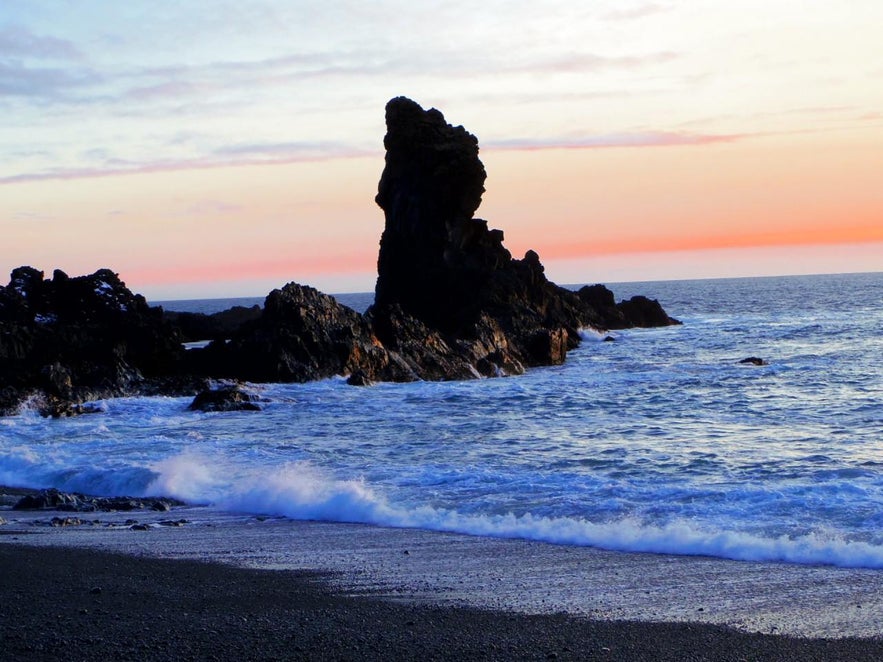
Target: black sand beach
{"x": 61, "y": 603}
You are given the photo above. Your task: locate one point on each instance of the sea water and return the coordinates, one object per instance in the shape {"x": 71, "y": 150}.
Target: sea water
{"x": 660, "y": 441}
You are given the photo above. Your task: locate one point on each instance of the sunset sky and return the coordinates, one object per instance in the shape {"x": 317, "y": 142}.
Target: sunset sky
{"x": 225, "y": 148}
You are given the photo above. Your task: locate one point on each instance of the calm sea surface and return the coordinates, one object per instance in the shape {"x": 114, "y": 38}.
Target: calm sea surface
{"x": 660, "y": 441}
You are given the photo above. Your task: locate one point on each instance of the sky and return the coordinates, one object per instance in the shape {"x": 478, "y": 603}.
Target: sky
{"x": 218, "y": 148}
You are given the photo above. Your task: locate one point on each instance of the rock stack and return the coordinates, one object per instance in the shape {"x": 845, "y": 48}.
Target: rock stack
{"x": 450, "y": 303}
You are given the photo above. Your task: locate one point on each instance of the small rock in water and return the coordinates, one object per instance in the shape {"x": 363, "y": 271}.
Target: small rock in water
{"x": 753, "y": 360}
{"x": 229, "y": 398}
{"x": 359, "y": 378}
{"x": 609, "y": 339}
{"x": 140, "y": 527}
{"x": 65, "y": 521}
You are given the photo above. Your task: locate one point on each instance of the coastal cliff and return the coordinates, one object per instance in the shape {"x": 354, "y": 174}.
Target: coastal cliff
{"x": 450, "y": 303}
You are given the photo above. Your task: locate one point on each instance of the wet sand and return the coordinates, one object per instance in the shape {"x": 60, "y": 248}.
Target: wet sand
{"x": 239, "y": 587}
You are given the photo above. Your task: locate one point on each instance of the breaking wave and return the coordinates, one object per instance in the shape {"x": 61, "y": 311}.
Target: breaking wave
{"x": 300, "y": 490}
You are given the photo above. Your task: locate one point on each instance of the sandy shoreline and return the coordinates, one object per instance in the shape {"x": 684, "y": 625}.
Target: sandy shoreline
{"x": 717, "y": 609}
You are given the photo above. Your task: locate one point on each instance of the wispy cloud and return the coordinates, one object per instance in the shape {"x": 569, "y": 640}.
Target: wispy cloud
{"x": 22, "y": 76}
{"x": 583, "y": 62}
{"x": 306, "y": 150}
{"x": 614, "y": 140}
{"x": 236, "y": 156}
{"x": 43, "y": 83}
{"x": 197, "y": 81}
{"x": 211, "y": 208}
{"x": 281, "y": 153}
{"x": 633, "y": 13}
{"x": 19, "y": 42}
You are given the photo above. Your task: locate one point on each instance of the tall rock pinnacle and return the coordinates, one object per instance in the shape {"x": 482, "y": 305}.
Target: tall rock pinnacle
{"x": 433, "y": 253}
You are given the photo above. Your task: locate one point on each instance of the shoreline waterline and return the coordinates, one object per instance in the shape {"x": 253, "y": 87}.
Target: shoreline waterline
{"x": 444, "y": 569}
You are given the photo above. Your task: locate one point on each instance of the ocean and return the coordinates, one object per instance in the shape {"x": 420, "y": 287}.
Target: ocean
{"x": 658, "y": 442}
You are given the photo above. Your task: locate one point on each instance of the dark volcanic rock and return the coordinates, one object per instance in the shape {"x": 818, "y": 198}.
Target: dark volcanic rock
{"x": 302, "y": 335}
{"x": 430, "y": 188}
{"x": 443, "y": 269}
{"x": 216, "y": 326}
{"x": 53, "y": 499}
{"x": 50, "y": 499}
{"x": 753, "y": 360}
{"x": 451, "y": 303}
{"x": 230, "y": 398}
{"x": 638, "y": 311}
{"x": 644, "y": 312}
{"x": 77, "y": 339}
{"x": 359, "y": 378}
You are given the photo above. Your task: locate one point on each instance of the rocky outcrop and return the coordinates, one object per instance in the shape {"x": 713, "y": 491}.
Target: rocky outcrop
{"x": 301, "y": 335}
{"x": 450, "y": 303}
{"x": 643, "y": 312}
{"x": 53, "y": 499}
{"x": 228, "y": 398}
{"x": 70, "y": 340}
{"x": 447, "y": 288}
{"x": 639, "y": 311}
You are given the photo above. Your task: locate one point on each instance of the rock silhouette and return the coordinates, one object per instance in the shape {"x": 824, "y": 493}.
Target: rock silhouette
{"x": 68, "y": 340}
{"x": 444, "y": 274}
{"x": 450, "y": 303}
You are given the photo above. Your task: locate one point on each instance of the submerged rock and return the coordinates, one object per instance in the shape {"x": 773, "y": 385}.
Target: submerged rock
{"x": 229, "y": 398}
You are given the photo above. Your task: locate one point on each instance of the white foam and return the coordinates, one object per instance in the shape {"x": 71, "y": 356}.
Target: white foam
{"x": 301, "y": 490}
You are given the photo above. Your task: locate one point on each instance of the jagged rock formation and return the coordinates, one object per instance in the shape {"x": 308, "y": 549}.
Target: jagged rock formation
{"x": 451, "y": 303}
{"x": 301, "y": 335}
{"x": 76, "y": 339}
{"x": 447, "y": 287}
{"x": 639, "y": 311}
